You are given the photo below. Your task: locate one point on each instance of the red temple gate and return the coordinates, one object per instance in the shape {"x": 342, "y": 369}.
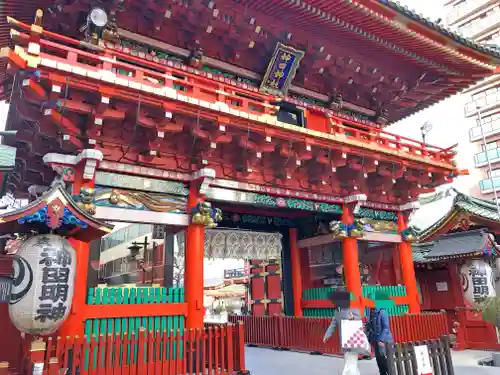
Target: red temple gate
{"x": 163, "y": 108}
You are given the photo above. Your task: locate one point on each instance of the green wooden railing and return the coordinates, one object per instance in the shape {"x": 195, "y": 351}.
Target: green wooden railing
{"x": 133, "y": 296}
{"x": 367, "y": 290}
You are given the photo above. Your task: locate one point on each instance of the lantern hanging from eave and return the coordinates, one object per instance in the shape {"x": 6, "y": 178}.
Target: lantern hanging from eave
{"x": 43, "y": 284}
{"x": 477, "y": 281}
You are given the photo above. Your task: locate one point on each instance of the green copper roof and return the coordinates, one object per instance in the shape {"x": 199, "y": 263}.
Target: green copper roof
{"x": 474, "y": 206}
{"x": 437, "y": 27}
{"x": 419, "y": 251}
{"x": 478, "y": 207}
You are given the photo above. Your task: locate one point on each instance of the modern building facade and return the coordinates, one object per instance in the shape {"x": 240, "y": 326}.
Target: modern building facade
{"x": 479, "y": 20}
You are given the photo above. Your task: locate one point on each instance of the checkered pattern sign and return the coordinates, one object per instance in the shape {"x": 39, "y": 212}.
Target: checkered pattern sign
{"x": 353, "y": 335}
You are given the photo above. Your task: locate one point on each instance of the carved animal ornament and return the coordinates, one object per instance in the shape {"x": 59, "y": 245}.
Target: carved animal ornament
{"x": 371, "y": 225}
{"x": 410, "y": 234}
{"x": 341, "y": 230}
{"x": 85, "y": 200}
{"x": 205, "y": 214}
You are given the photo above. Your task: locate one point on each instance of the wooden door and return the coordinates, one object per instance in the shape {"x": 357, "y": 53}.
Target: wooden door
{"x": 266, "y": 295}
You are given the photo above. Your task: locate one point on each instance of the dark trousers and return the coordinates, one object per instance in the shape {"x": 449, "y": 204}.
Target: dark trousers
{"x": 383, "y": 366}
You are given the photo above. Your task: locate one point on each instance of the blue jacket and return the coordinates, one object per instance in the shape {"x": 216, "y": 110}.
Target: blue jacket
{"x": 378, "y": 326}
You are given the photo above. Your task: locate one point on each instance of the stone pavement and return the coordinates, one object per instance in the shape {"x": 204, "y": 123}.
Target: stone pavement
{"x": 271, "y": 362}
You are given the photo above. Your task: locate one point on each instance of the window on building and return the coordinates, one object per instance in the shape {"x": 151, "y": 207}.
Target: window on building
{"x": 494, "y": 173}
{"x": 483, "y": 94}
{"x": 489, "y": 146}
{"x": 291, "y": 114}
{"x": 478, "y": 95}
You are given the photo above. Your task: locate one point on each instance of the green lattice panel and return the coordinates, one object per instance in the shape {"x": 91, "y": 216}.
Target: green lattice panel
{"x": 133, "y": 296}
{"x": 367, "y": 290}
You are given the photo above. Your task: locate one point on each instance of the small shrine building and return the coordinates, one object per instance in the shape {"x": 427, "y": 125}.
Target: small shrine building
{"x": 457, "y": 262}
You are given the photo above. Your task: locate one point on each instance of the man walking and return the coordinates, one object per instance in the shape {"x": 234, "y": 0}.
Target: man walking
{"x": 379, "y": 334}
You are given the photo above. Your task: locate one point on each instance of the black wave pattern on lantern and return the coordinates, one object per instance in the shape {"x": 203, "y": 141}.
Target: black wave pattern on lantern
{"x": 22, "y": 279}
{"x": 465, "y": 282}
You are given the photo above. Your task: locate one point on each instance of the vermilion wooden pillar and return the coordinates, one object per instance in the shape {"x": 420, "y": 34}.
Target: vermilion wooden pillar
{"x": 296, "y": 273}
{"x": 407, "y": 267}
{"x": 193, "y": 270}
{"x": 351, "y": 258}
{"x": 74, "y": 324}
{"x": 86, "y": 165}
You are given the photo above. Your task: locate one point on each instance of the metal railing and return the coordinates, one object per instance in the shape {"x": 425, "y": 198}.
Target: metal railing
{"x": 489, "y": 184}
{"x": 465, "y": 9}
{"x": 485, "y": 102}
{"x": 482, "y": 159}
{"x": 480, "y": 25}
{"x": 489, "y": 128}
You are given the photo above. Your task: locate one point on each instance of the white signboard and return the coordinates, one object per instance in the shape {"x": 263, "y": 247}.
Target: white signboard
{"x": 38, "y": 368}
{"x": 42, "y": 285}
{"x": 442, "y": 286}
{"x": 424, "y": 366}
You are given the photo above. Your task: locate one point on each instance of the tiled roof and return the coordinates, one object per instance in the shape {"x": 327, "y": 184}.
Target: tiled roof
{"x": 459, "y": 245}
{"x": 454, "y": 246}
{"x": 404, "y": 10}
{"x": 419, "y": 251}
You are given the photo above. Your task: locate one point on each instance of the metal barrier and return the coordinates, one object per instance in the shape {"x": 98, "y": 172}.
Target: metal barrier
{"x": 306, "y": 334}
{"x": 217, "y": 350}
{"x": 404, "y": 359}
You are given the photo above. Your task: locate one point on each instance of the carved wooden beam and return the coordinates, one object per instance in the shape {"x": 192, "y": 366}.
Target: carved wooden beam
{"x": 34, "y": 90}
{"x": 412, "y": 175}
{"x": 390, "y": 170}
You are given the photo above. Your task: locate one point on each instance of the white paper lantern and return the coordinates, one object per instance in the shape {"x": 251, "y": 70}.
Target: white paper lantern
{"x": 43, "y": 283}
{"x": 477, "y": 281}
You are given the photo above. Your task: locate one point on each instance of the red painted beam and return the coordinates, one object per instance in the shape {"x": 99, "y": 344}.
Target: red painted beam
{"x": 327, "y": 304}
{"x": 120, "y": 311}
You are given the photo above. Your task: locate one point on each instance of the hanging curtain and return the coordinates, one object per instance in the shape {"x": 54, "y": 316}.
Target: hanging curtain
{"x": 239, "y": 244}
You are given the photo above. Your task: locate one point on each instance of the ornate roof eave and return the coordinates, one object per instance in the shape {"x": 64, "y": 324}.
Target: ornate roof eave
{"x": 405, "y": 11}
{"x": 454, "y": 257}
{"x": 54, "y": 211}
{"x": 378, "y": 10}
{"x": 479, "y": 208}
